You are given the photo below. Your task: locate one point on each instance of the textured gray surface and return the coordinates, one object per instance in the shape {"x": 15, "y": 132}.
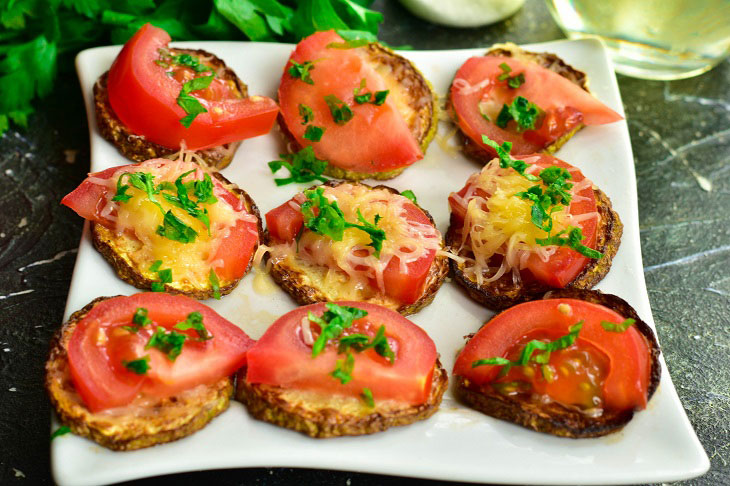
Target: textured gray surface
{"x": 680, "y": 133}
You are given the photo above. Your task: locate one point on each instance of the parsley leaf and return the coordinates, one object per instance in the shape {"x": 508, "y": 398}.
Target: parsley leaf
{"x": 367, "y": 97}
{"x": 332, "y": 322}
{"x": 165, "y": 277}
{"x": 169, "y": 342}
{"x": 301, "y": 71}
{"x": 522, "y": 111}
{"x": 174, "y": 229}
{"x": 512, "y": 81}
{"x": 341, "y": 112}
{"x": 195, "y": 321}
{"x": 139, "y": 366}
{"x": 306, "y": 113}
{"x": 215, "y": 283}
{"x": 506, "y": 161}
{"x": 367, "y": 397}
{"x": 343, "y": 370}
{"x": 190, "y": 104}
{"x": 313, "y": 133}
{"x": 303, "y": 167}
{"x": 62, "y": 430}
{"x": 573, "y": 240}
{"x": 139, "y": 320}
{"x": 377, "y": 235}
{"x": 618, "y": 326}
{"x": 361, "y": 342}
{"x": 410, "y": 195}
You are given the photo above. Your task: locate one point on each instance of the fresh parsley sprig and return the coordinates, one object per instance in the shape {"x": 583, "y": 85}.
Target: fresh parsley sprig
{"x": 169, "y": 342}
{"x": 361, "y": 342}
{"x": 522, "y": 111}
{"x": 361, "y": 97}
{"x": 189, "y": 103}
{"x": 573, "y": 240}
{"x": 506, "y": 161}
{"x": 194, "y": 321}
{"x": 302, "y": 71}
{"x": 164, "y": 276}
{"x": 139, "y": 320}
{"x": 341, "y": 111}
{"x": 332, "y": 322}
{"x": 618, "y": 326}
{"x": 330, "y": 221}
{"x": 303, "y": 166}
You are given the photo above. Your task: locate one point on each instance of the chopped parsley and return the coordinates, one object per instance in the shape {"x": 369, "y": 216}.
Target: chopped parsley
{"x": 513, "y": 82}
{"x": 195, "y": 321}
{"x": 139, "y": 320}
{"x": 343, "y": 370}
{"x": 303, "y": 167}
{"x": 313, "y": 133}
{"x": 62, "y": 430}
{"x": 618, "y": 326}
{"x": 302, "y": 71}
{"x": 174, "y": 229}
{"x": 410, "y": 195}
{"x": 367, "y": 397}
{"x": 350, "y": 44}
{"x": 522, "y": 111}
{"x": 341, "y": 112}
{"x": 190, "y": 104}
{"x": 526, "y": 355}
{"x": 186, "y": 60}
{"x": 361, "y": 342}
{"x": 330, "y": 221}
{"x": 506, "y": 161}
{"x": 215, "y": 283}
{"x": 139, "y": 366}
{"x": 334, "y": 320}
{"x": 164, "y": 276}
{"x": 367, "y": 97}
{"x": 169, "y": 342}
{"x": 306, "y": 113}
{"x": 573, "y": 240}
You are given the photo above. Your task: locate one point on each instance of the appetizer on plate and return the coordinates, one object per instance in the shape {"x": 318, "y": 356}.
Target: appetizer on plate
{"x": 155, "y": 100}
{"x": 365, "y": 110}
{"x": 133, "y": 372}
{"x": 344, "y": 368}
{"x": 572, "y": 363}
{"x": 170, "y": 225}
{"x": 351, "y": 241}
{"x": 534, "y": 101}
{"x": 521, "y": 227}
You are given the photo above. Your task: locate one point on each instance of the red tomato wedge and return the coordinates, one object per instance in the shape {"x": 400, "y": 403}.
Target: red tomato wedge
{"x": 281, "y": 357}
{"x": 565, "y": 264}
{"x": 623, "y": 357}
{"x": 92, "y": 201}
{"x": 144, "y": 98}
{"x": 376, "y": 139}
{"x": 476, "y": 91}
{"x": 403, "y": 283}
{"x": 99, "y": 344}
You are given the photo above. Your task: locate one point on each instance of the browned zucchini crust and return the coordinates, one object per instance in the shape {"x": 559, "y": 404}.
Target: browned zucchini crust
{"x": 322, "y": 416}
{"x": 504, "y": 293}
{"x": 145, "y": 422}
{"x": 554, "y": 418}
{"x": 137, "y": 147}
{"x": 303, "y": 290}
{"x": 544, "y": 59}
{"x": 406, "y": 82}
{"x": 115, "y": 248}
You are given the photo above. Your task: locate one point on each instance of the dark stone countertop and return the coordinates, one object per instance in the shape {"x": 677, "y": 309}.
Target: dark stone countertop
{"x": 681, "y": 136}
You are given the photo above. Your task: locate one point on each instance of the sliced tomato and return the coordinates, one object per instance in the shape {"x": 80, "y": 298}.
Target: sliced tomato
{"x": 623, "y": 356}
{"x": 144, "y": 98}
{"x": 565, "y": 264}
{"x": 376, "y": 139}
{"x": 237, "y": 242}
{"x": 476, "y": 92}
{"x": 403, "y": 284}
{"x": 100, "y": 343}
{"x": 282, "y": 358}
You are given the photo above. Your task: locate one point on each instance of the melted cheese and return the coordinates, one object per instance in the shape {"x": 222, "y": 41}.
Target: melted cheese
{"x": 501, "y": 224}
{"x": 345, "y": 269}
{"x": 137, "y": 221}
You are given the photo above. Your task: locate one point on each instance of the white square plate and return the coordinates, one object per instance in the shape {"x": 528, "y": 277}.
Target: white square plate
{"x": 456, "y": 443}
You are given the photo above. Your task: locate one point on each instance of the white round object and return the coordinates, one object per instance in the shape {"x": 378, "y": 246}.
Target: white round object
{"x": 463, "y": 13}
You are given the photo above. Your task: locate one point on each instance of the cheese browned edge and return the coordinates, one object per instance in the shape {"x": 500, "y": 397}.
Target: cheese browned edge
{"x": 137, "y": 147}
{"x": 113, "y": 248}
{"x": 416, "y": 101}
{"x": 504, "y": 293}
{"x": 545, "y": 59}
{"x": 143, "y": 423}
{"x": 295, "y": 281}
{"x": 552, "y": 417}
{"x": 322, "y": 415}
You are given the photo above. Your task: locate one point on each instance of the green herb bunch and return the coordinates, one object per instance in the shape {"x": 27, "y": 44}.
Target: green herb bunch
{"x": 39, "y": 37}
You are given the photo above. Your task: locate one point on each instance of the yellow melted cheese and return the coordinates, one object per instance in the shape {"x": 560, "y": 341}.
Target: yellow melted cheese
{"x": 344, "y": 269}
{"x": 501, "y": 223}
{"x": 137, "y": 221}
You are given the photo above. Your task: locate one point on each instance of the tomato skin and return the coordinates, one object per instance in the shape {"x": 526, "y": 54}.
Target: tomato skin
{"x": 565, "y": 264}
{"x": 285, "y": 222}
{"x": 144, "y": 99}
{"x": 99, "y": 344}
{"x": 565, "y": 104}
{"x": 282, "y": 358}
{"x": 376, "y": 139}
{"x": 235, "y": 249}
{"x": 627, "y": 382}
